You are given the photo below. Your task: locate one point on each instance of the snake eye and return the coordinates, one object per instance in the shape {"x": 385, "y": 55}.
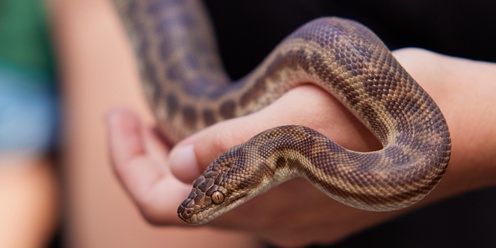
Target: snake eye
{"x": 217, "y": 197}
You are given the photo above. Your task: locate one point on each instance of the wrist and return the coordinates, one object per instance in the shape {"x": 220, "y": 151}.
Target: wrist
{"x": 463, "y": 89}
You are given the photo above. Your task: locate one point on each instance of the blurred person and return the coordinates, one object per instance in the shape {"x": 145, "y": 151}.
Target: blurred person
{"x": 28, "y": 126}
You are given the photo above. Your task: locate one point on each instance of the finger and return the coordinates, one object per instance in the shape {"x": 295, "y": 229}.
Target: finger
{"x": 319, "y": 111}
{"x": 189, "y": 158}
{"x": 125, "y": 141}
{"x": 184, "y": 164}
{"x": 128, "y": 152}
{"x": 140, "y": 162}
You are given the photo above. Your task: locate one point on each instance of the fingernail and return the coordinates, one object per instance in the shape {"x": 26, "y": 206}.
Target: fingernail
{"x": 183, "y": 163}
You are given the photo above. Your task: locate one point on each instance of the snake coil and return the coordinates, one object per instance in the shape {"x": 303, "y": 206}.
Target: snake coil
{"x": 188, "y": 90}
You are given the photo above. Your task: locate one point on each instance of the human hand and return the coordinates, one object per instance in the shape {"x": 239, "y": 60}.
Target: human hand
{"x": 295, "y": 213}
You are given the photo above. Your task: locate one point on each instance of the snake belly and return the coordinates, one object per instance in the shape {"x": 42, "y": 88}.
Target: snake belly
{"x": 188, "y": 90}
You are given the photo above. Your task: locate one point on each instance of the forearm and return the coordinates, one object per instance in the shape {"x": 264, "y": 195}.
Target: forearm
{"x": 464, "y": 90}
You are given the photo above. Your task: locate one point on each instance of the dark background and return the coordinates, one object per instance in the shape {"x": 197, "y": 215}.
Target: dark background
{"x": 248, "y": 30}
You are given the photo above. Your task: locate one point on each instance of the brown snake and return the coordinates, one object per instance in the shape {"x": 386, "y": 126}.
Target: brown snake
{"x": 188, "y": 90}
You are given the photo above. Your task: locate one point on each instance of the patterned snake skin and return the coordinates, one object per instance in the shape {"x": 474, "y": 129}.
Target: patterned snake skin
{"x": 188, "y": 90}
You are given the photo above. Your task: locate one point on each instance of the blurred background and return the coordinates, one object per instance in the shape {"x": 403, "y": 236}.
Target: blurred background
{"x": 65, "y": 63}
{"x": 57, "y": 188}
{"x": 29, "y": 124}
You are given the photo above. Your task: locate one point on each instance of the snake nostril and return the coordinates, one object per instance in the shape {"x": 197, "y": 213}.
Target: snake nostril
{"x": 184, "y": 213}
{"x": 188, "y": 213}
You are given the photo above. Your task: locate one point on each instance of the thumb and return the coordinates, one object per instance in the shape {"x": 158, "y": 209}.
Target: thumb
{"x": 306, "y": 105}
{"x": 190, "y": 157}
{"x": 303, "y": 105}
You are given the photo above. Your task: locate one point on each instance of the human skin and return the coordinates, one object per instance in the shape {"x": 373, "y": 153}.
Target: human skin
{"x": 295, "y": 213}
{"x": 97, "y": 74}
{"x": 28, "y": 201}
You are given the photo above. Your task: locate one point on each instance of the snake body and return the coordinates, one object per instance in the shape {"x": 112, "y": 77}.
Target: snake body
{"x": 188, "y": 90}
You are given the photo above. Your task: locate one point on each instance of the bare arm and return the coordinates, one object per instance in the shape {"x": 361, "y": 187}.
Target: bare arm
{"x": 462, "y": 88}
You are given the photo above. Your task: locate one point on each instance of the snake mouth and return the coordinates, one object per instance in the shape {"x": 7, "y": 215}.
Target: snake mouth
{"x": 194, "y": 216}
{"x": 238, "y": 198}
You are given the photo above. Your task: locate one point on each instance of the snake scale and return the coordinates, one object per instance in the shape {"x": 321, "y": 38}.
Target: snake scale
{"x": 188, "y": 90}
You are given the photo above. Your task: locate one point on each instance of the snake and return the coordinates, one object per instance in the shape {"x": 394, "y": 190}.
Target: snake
{"x": 187, "y": 89}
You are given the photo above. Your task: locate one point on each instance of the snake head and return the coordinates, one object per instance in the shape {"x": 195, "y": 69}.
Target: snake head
{"x": 233, "y": 178}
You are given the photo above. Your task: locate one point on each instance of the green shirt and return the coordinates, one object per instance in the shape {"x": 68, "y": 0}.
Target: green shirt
{"x": 25, "y": 46}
